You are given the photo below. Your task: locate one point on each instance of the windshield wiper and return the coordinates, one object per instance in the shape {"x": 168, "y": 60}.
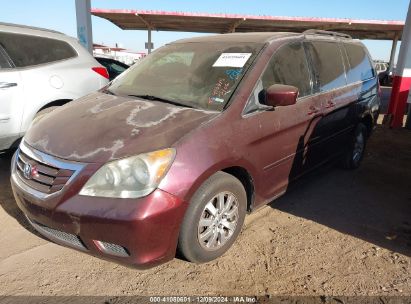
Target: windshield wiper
{"x": 152, "y": 97}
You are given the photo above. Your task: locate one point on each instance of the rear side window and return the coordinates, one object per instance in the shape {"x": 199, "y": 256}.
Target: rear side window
{"x": 328, "y": 65}
{"x": 117, "y": 68}
{"x": 4, "y": 62}
{"x": 26, "y": 50}
{"x": 360, "y": 65}
{"x": 289, "y": 66}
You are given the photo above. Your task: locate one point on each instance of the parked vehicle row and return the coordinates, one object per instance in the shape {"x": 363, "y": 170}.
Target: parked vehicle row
{"x": 386, "y": 77}
{"x": 114, "y": 67}
{"x": 381, "y": 67}
{"x": 174, "y": 153}
{"x": 39, "y": 70}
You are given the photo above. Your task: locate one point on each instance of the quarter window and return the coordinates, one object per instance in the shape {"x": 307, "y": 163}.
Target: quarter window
{"x": 26, "y": 50}
{"x": 289, "y": 66}
{"x": 360, "y": 65}
{"x": 117, "y": 68}
{"x": 328, "y": 65}
{"x": 4, "y": 62}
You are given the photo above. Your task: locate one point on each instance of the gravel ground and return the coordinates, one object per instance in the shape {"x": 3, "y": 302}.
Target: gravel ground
{"x": 334, "y": 233}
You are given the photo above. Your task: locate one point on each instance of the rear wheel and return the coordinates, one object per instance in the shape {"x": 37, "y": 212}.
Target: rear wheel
{"x": 214, "y": 218}
{"x": 355, "y": 153}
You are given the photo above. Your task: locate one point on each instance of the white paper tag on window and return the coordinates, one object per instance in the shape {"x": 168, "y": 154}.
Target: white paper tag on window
{"x": 234, "y": 60}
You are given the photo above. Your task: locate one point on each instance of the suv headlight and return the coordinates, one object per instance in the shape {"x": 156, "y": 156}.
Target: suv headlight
{"x": 131, "y": 177}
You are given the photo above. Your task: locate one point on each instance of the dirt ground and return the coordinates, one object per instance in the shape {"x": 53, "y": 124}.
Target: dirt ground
{"x": 334, "y": 233}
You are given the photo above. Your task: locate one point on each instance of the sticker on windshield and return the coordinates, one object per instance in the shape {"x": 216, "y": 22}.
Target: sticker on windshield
{"x": 233, "y": 74}
{"x": 235, "y": 60}
{"x": 221, "y": 88}
{"x": 212, "y": 100}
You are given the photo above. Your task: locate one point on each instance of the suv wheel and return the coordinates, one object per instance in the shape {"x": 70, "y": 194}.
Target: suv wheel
{"x": 214, "y": 218}
{"x": 354, "y": 155}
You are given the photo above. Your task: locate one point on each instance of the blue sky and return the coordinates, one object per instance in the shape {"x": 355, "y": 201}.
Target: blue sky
{"x": 60, "y": 15}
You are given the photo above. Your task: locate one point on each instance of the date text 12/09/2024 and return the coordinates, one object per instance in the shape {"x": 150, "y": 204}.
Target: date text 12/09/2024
{"x": 203, "y": 299}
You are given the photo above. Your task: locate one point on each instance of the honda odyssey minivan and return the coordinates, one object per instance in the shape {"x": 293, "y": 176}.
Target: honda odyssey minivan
{"x": 175, "y": 151}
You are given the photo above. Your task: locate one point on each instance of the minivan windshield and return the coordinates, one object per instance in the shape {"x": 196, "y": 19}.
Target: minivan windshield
{"x": 200, "y": 75}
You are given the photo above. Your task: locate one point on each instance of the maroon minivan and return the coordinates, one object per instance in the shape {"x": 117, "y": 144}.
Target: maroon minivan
{"x": 175, "y": 151}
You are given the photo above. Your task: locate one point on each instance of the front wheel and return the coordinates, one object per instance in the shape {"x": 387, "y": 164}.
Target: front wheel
{"x": 355, "y": 153}
{"x": 214, "y": 218}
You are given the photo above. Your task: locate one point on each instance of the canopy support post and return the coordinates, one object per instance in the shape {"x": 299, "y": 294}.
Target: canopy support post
{"x": 402, "y": 78}
{"x": 393, "y": 51}
{"x": 149, "y": 41}
{"x": 84, "y": 30}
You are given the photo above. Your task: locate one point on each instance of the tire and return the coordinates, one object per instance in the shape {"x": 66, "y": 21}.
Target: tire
{"x": 198, "y": 242}
{"x": 355, "y": 153}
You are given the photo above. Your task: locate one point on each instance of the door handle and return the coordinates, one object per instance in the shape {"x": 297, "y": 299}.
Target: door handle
{"x": 313, "y": 110}
{"x": 5, "y": 85}
{"x": 330, "y": 104}
{"x": 4, "y": 118}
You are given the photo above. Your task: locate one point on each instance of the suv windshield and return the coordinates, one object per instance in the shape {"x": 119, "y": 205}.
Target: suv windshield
{"x": 201, "y": 75}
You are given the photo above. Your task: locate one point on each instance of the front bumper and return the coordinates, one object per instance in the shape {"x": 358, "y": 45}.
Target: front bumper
{"x": 137, "y": 232}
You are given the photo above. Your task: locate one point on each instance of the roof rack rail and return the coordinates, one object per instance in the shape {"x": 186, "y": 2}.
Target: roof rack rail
{"x": 327, "y": 33}
{"x": 31, "y": 27}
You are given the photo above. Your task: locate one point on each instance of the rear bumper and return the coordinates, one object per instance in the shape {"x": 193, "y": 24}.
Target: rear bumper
{"x": 136, "y": 232}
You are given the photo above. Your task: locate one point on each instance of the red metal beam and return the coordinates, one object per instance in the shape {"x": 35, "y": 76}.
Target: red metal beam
{"x": 218, "y": 23}
{"x": 255, "y": 17}
{"x": 402, "y": 78}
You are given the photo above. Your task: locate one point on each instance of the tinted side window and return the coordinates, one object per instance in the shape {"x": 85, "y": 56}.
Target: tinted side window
{"x": 289, "y": 66}
{"x": 328, "y": 65}
{"x": 117, "y": 68}
{"x": 4, "y": 61}
{"x": 360, "y": 64}
{"x": 27, "y": 50}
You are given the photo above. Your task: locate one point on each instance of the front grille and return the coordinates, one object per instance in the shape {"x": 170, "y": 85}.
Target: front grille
{"x": 41, "y": 177}
{"x": 64, "y": 237}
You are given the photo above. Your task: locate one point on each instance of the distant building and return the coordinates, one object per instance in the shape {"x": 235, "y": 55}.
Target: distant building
{"x": 117, "y": 53}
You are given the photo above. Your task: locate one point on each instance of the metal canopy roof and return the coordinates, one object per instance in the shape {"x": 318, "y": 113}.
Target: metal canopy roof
{"x": 226, "y": 23}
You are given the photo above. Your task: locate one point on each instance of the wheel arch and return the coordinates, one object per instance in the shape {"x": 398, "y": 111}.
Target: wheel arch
{"x": 238, "y": 171}
{"x": 368, "y": 121}
{"x": 55, "y": 103}
{"x": 246, "y": 180}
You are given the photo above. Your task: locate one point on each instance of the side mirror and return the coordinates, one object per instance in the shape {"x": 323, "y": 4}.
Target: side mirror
{"x": 281, "y": 95}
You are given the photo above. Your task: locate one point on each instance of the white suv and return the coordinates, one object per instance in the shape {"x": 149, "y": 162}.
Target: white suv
{"x": 40, "y": 69}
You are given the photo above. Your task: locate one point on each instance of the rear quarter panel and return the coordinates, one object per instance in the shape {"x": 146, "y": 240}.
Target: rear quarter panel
{"x": 67, "y": 79}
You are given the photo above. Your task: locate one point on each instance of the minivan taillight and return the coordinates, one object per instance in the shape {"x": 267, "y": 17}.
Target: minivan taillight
{"x": 102, "y": 71}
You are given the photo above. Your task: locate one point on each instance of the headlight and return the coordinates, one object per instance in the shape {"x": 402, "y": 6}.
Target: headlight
{"x": 131, "y": 177}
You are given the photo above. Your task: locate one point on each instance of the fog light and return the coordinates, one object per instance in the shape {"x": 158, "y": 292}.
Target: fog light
{"x": 112, "y": 249}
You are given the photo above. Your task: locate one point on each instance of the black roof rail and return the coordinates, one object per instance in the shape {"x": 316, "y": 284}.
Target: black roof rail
{"x": 326, "y": 33}
{"x": 31, "y": 27}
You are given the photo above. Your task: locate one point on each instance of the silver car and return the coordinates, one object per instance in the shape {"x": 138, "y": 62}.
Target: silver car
{"x": 39, "y": 70}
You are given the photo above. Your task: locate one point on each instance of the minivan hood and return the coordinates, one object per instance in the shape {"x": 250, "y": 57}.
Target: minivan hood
{"x": 101, "y": 127}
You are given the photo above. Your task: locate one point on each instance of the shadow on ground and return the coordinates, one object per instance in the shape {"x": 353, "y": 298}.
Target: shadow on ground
{"x": 372, "y": 203}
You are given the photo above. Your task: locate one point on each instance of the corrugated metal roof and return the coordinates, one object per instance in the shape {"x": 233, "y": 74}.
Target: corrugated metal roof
{"x": 226, "y": 23}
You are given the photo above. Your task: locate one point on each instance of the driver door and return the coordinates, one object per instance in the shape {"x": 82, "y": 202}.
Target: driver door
{"x": 11, "y": 104}
{"x": 287, "y": 137}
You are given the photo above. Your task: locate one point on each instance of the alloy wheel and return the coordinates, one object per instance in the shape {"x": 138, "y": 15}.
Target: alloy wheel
{"x": 358, "y": 147}
{"x": 218, "y": 221}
